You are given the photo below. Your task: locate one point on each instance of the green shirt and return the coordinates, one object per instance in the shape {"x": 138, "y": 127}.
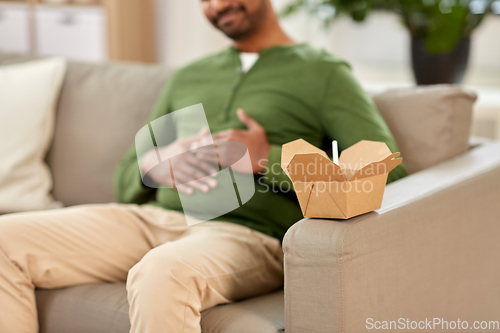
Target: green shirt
{"x": 293, "y": 91}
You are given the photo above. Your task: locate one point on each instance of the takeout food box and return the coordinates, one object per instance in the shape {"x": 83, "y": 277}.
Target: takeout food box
{"x": 353, "y": 187}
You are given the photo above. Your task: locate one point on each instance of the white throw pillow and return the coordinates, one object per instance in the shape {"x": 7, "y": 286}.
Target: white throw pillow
{"x": 28, "y": 97}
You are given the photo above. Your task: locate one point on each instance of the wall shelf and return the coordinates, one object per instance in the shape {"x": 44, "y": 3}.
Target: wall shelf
{"x": 92, "y": 30}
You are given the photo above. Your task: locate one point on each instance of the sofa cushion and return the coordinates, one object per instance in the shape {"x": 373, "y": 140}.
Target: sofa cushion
{"x": 430, "y": 123}
{"x": 103, "y": 308}
{"x": 101, "y": 108}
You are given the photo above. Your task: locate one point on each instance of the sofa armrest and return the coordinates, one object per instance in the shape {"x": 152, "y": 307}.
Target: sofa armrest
{"x": 431, "y": 251}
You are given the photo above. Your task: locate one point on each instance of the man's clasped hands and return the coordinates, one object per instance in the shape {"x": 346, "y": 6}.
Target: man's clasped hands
{"x": 195, "y": 160}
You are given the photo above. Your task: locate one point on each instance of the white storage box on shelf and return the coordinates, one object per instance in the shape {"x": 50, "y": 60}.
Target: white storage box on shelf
{"x": 14, "y": 28}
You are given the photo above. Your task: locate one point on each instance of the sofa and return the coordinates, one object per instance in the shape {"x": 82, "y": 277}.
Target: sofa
{"x": 431, "y": 250}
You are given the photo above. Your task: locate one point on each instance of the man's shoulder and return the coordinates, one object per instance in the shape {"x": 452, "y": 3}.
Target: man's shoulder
{"x": 300, "y": 56}
{"x": 317, "y": 56}
{"x": 211, "y": 61}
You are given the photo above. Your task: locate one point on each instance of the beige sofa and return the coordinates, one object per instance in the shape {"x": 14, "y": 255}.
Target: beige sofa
{"x": 430, "y": 251}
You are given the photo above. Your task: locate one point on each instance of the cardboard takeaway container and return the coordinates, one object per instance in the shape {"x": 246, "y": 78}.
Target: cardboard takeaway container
{"x": 353, "y": 187}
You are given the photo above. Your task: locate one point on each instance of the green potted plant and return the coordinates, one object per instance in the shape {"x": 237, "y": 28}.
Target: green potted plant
{"x": 440, "y": 29}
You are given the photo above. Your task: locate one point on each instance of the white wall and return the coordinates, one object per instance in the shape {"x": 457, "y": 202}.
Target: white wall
{"x": 383, "y": 39}
{"x": 379, "y": 42}
{"x": 486, "y": 44}
{"x": 184, "y": 34}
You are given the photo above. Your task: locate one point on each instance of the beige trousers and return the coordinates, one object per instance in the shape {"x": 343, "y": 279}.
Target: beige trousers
{"x": 173, "y": 271}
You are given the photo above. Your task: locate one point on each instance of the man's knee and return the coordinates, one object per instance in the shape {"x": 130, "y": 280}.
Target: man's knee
{"x": 14, "y": 243}
{"x": 11, "y": 232}
{"x": 164, "y": 266}
{"x": 21, "y": 236}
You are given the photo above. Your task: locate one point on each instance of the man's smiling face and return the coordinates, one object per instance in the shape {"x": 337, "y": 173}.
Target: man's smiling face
{"x": 237, "y": 19}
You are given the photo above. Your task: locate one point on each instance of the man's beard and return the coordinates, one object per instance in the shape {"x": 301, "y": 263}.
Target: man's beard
{"x": 242, "y": 32}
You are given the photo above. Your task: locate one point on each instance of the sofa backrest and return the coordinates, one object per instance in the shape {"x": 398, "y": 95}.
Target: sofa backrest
{"x": 101, "y": 108}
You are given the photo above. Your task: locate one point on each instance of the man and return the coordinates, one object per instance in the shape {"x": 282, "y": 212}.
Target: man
{"x": 263, "y": 91}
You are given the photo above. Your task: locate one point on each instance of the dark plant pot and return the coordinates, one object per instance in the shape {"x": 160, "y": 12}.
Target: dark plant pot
{"x": 439, "y": 68}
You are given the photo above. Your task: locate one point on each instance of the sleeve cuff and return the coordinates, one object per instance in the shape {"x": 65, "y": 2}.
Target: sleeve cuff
{"x": 273, "y": 174}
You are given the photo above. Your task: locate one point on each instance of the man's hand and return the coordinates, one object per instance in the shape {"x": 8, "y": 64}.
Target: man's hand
{"x": 188, "y": 168}
{"x": 255, "y": 139}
